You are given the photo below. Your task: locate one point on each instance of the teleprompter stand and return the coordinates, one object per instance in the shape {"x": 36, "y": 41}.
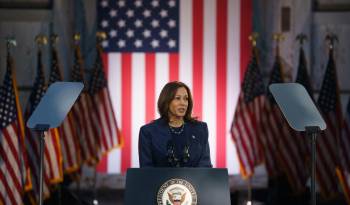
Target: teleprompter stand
{"x": 302, "y": 115}
{"x": 50, "y": 112}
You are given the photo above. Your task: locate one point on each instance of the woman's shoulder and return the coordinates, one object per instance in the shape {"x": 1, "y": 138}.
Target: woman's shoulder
{"x": 153, "y": 124}
{"x": 197, "y": 123}
{"x": 199, "y": 129}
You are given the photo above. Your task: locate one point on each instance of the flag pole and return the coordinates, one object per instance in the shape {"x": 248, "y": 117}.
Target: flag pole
{"x": 100, "y": 36}
{"x": 250, "y": 201}
{"x": 278, "y": 37}
{"x": 95, "y": 200}
{"x": 253, "y": 39}
{"x": 54, "y": 40}
{"x": 76, "y": 38}
{"x": 78, "y": 175}
{"x": 41, "y": 40}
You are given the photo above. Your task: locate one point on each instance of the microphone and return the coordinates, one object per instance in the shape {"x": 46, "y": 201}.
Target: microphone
{"x": 186, "y": 153}
{"x": 172, "y": 159}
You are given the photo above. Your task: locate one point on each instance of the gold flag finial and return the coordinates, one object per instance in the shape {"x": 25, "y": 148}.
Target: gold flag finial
{"x": 100, "y": 35}
{"x": 41, "y": 40}
{"x": 278, "y": 37}
{"x": 253, "y": 38}
{"x": 76, "y": 37}
{"x": 331, "y": 38}
{"x": 301, "y": 38}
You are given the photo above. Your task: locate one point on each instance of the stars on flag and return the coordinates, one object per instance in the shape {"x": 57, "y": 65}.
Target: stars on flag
{"x": 139, "y": 26}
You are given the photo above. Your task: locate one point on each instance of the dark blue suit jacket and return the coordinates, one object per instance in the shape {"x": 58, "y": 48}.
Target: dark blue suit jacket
{"x": 154, "y": 139}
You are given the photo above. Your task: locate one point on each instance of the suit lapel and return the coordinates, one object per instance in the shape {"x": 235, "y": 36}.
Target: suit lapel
{"x": 188, "y": 133}
{"x": 192, "y": 137}
{"x": 164, "y": 135}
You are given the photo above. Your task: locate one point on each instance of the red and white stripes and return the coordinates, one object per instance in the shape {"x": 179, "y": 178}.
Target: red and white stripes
{"x": 327, "y": 158}
{"x": 86, "y": 130}
{"x": 208, "y": 61}
{"x": 11, "y": 169}
{"x": 105, "y": 114}
{"x": 69, "y": 145}
{"x": 246, "y": 131}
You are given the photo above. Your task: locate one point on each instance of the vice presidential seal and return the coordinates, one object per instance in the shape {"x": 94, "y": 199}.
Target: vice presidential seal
{"x": 177, "y": 192}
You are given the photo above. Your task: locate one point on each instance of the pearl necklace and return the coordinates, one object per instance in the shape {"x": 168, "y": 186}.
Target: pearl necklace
{"x": 177, "y": 132}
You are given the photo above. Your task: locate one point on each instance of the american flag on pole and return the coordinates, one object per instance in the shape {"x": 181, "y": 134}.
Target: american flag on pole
{"x": 203, "y": 43}
{"x": 302, "y": 140}
{"x": 67, "y": 132}
{"x": 345, "y": 140}
{"x": 87, "y": 129}
{"x": 281, "y": 145}
{"x": 303, "y": 78}
{"x": 52, "y": 153}
{"x": 343, "y": 171}
{"x": 12, "y": 170}
{"x": 110, "y": 136}
{"x": 247, "y": 119}
{"x": 269, "y": 138}
{"x": 327, "y": 158}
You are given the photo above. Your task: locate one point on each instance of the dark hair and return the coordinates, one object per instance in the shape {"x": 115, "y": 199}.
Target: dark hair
{"x": 167, "y": 95}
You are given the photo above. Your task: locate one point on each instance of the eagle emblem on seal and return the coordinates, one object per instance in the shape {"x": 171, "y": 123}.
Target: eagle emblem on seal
{"x": 177, "y": 192}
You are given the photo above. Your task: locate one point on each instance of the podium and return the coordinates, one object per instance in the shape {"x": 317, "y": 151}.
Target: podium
{"x": 177, "y": 186}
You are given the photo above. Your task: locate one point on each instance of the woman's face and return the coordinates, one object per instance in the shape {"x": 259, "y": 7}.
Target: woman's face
{"x": 178, "y": 106}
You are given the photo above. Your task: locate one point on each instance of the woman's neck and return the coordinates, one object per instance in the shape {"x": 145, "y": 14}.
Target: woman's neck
{"x": 176, "y": 122}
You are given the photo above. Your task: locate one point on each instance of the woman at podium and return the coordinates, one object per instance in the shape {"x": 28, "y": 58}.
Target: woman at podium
{"x": 176, "y": 139}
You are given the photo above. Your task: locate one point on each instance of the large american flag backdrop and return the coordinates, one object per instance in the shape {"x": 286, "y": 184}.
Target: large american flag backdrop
{"x": 203, "y": 43}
